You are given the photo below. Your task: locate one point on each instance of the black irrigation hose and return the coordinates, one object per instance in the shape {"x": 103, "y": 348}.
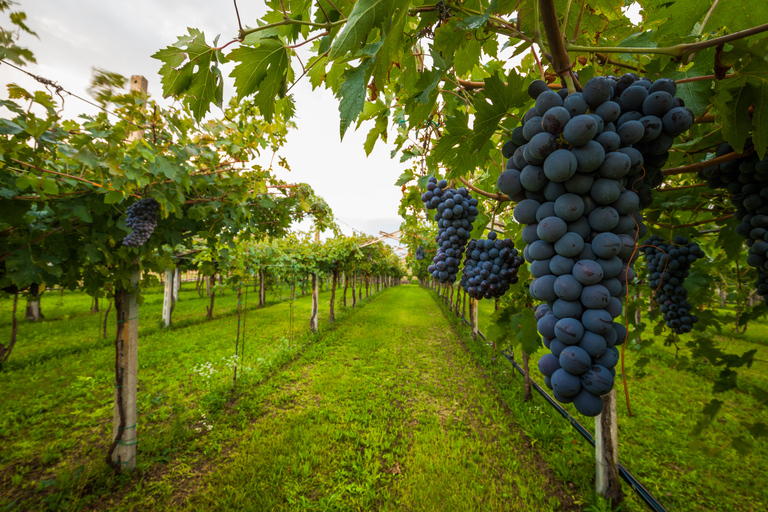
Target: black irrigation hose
{"x": 628, "y": 477}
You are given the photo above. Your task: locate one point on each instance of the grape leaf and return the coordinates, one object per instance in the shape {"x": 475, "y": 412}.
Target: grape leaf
{"x": 680, "y": 18}
{"x": 365, "y": 15}
{"x": 494, "y": 103}
{"x": 190, "y": 71}
{"x": 738, "y": 15}
{"x": 473, "y": 22}
{"x": 392, "y": 49}
{"x": 352, "y": 94}
{"x": 732, "y": 100}
{"x": 263, "y": 70}
{"x": 696, "y": 94}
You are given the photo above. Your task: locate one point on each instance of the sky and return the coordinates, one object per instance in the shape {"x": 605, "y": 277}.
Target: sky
{"x": 78, "y": 35}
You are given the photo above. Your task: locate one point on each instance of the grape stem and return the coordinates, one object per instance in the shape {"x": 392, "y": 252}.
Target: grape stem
{"x": 707, "y": 163}
{"x": 560, "y": 60}
{"x": 678, "y": 50}
{"x": 497, "y": 197}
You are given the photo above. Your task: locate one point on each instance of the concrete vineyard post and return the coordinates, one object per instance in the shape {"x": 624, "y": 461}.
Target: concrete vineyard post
{"x": 176, "y": 284}
{"x": 473, "y": 314}
{"x": 333, "y": 294}
{"x": 168, "y": 297}
{"x": 607, "y": 481}
{"x": 313, "y": 324}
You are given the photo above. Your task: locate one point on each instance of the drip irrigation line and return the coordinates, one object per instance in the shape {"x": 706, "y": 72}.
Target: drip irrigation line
{"x": 628, "y": 477}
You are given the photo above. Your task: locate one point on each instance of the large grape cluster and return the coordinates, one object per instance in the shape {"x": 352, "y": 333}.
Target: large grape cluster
{"x": 747, "y": 180}
{"x": 668, "y": 266}
{"x": 142, "y": 219}
{"x": 456, "y": 211}
{"x": 576, "y": 171}
{"x": 490, "y": 266}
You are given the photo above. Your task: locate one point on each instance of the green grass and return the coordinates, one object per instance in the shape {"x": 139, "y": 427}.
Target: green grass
{"x": 392, "y": 408}
{"x": 55, "y": 416}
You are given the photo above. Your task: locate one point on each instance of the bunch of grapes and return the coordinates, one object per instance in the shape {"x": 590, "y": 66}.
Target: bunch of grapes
{"x": 575, "y": 170}
{"x": 419, "y": 253}
{"x": 668, "y": 267}
{"x": 747, "y": 180}
{"x": 456, "y": 211}
{"x": 635, "y": 117}
{"x": 490, "y": 266}
{"x": 142, "y": 219}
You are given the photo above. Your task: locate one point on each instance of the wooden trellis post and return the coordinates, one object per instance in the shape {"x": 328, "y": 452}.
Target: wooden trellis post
{"x": 607, "y": 481}
{"x": 124, "y": 421}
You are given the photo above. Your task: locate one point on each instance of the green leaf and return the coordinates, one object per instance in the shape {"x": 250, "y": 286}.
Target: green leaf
{"x": 164, "y": 166}
{"x": 681, "y": 17}
{"x": 190, "y": 71}
{"x": 497, "y": 99}
{"x": 263, "y": 70}
{"x": 696, "y": 94}
{"x": 49, "y": 186}
{"x": 9, "y": 127}
{"x": 365, "y": 15}
{"x": 86, "y": 157}
{"x": 732, "y": 100}
{"x": 23, "y": 182}
{"x": 378, "y": 130}
{"x": 404, "y": 178}
{"x": 82, "y": 212}
{"x": 391, "y": 50}
{"x": 473, "y": 22}
{"x": 523, "y": 325}
{"x": 112, "y": 197}
{"x": 729, "y": 240}
{"x": 352, "y": 95}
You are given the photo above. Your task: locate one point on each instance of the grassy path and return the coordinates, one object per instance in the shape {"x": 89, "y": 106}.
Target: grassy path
{"x": 388, "y": 412}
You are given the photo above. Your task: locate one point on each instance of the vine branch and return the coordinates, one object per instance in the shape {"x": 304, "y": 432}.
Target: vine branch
{"x": 678, "y": 50}
{"x": 705, "y": 164}
{"x": 497, "y": 197}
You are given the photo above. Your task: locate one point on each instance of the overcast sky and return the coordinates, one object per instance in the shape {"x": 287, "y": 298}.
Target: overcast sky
{"x": 78, "y": 35}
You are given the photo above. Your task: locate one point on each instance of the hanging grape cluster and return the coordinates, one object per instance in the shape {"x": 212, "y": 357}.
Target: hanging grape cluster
{"x": 142, "y": 219}
{"x": 456, "y": 211}
{"x": 490, "y": 267}
{"x": 580, "y": 169}
{"x": 668, "y": 265}
{"x": 746, "y": 179}
{"x": 419, "y": 253}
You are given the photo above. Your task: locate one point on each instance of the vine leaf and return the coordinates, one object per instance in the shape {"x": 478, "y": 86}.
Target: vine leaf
{"x": 365, "y": 15}
{"x": 263, "y": 70}
{"x": 493, "y": 104}
{"x": 680, "y": 17}
{"x": 352, "y": 94}
{"x": 732, "y": 100}
{"x": 190, "y": 69}
{"x": 473, "y": 22}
